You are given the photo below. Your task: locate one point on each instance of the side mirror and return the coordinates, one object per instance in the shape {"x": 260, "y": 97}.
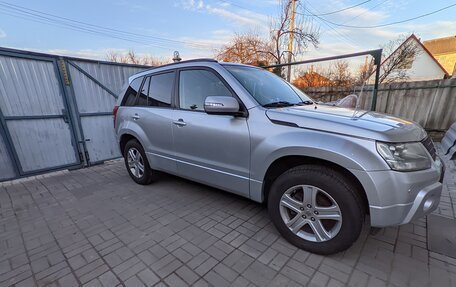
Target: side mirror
{"x": 221, "y": 105}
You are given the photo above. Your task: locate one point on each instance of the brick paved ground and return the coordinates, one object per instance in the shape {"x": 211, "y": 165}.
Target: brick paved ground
{"x": 95, "y": 227}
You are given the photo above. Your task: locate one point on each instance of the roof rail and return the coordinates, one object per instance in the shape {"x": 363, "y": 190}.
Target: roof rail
{"x": 186, "y": 61}
{"x": 197, "y": 60}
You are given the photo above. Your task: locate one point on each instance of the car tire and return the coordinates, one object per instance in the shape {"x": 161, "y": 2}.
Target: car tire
{"x": 137, "y": 164}
{"x": 316, "y": 208}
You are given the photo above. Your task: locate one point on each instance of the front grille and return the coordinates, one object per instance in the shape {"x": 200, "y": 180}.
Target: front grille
{"x": 429, "y": 145}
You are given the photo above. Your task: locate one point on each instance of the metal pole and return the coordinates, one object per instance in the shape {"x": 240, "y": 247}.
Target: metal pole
{"x": 290, "y": 40}
{"x": 377, "y": 61}
{"x": 373, "y": 53}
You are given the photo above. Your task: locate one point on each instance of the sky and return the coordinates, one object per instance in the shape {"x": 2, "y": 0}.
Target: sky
{"x": 197, "y": 28}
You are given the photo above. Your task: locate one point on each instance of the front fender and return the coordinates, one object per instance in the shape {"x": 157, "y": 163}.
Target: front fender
{"x": 349, "y": 152}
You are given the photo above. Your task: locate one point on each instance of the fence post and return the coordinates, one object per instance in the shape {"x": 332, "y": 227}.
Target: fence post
{"x": 431, "y": 106}
{"x": 387, "y": 99}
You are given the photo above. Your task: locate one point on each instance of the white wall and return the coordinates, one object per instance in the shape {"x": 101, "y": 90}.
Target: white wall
{"x": 423, "y": 68}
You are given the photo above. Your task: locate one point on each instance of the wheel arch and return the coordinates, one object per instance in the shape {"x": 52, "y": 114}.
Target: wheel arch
{"x": 284, "y": 163}
{"x": 124, "y": 139}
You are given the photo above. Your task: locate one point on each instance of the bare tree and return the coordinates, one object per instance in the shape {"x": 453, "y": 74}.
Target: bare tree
{"x": 133, "y": 58}
{"x": 399, "y": 55}
{"x": 247, "y": 48}
{"x": 340, "y": 74}
{"x": 304, "y": 33}
{"x": 250, "y": 48}
{"x": 365, "y": 71}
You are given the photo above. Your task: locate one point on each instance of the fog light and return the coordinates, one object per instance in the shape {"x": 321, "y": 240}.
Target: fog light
{"x": 428, "y": 204}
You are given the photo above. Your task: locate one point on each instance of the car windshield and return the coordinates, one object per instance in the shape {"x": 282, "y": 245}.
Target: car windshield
{"x": 268, "y": 89}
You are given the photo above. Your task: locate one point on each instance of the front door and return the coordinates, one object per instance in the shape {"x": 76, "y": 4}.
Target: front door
{"x": 212, "y": 149}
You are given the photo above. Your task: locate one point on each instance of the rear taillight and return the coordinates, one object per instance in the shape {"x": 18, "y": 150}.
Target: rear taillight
{"x": 114, "y": 113}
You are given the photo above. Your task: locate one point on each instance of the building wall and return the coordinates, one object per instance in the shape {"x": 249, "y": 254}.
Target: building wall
{"x": 424, "y": 68}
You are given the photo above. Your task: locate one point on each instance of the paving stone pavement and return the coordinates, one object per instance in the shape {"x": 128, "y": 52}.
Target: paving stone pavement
{"x": 96, "y": 227}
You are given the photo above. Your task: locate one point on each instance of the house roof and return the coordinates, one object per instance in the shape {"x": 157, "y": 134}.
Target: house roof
{"x": 313, "y": 74}
{"x": 441, "y": 45}
{"x": 413, "y": 37}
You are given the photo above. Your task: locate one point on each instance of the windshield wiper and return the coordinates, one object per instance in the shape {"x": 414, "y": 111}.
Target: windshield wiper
{"x": 306, "y": 103}
{"x": 278, "y": 104}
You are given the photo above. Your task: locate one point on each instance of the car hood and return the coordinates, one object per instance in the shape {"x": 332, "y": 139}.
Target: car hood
{"x": 359, "y": 123}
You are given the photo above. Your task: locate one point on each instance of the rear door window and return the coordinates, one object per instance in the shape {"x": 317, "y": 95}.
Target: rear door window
{"x": 160, "y": 90}
{"x": 132, "y": 92}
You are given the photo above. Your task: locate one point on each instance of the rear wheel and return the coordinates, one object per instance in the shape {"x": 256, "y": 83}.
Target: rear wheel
{"x": 316, "y": 208}
{"x": 137, "y": 164}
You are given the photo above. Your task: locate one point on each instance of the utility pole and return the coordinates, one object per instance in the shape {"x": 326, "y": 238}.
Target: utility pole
{"x": 290, "y": 40}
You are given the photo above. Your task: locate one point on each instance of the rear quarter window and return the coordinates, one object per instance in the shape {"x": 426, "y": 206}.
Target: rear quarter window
{"x": 132, "y": 92}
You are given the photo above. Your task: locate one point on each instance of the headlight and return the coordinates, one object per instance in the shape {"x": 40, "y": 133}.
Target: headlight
{"x": 404, "y": 156}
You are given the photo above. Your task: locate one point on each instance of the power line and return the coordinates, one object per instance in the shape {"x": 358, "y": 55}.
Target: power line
{"x": 353, "y": 18}
{"x": 336, "y": 31}
{"x": 386, "y": 24}
{"x": 80, "y": 29}
{"x": 37, "y": 13}
{"x": 341, "y": 10}
{"x": 365, "y": 11}
{"x": 343, "y": 37}
{"x": 50, "y": 19}
{"x": 340, "y": 35}
{"x": 26, "y": 17}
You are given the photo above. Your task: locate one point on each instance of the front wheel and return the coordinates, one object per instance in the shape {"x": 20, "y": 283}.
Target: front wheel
{"x": 316, "y": 208}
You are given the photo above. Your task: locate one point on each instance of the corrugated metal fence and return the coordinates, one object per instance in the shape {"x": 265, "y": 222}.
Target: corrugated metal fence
{"x": 56, "y": 112}
{"x": 432, "y": 104}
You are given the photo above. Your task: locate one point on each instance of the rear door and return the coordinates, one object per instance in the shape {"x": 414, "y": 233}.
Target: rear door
{"x": 213, "y": 149}
{"x": 153, "y": 114}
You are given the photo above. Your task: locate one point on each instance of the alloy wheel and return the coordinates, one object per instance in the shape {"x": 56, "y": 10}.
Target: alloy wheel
{"x": 310, "y": 213}
{"x": 135, "y": 162}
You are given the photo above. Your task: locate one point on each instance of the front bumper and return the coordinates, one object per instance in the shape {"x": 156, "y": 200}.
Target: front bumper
{"x": 425, "y": 202}
{"x": 401, "y": 197}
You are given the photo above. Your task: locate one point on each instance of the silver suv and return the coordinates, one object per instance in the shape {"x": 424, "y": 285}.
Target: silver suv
{"x": 319, "y": 168}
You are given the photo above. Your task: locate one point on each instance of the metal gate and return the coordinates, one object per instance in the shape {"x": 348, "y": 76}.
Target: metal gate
{"x": 56, "y": 112}
{"x": 36, "y": 132}
{"x": 95, "y": 86}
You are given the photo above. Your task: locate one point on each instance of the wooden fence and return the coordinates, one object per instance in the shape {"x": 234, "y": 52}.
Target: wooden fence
{"x": 432, "y": 104}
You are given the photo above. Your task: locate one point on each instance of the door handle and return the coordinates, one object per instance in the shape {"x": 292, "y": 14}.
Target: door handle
{"x": 180, "y": 123}
{"x": 136, "y": 117}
